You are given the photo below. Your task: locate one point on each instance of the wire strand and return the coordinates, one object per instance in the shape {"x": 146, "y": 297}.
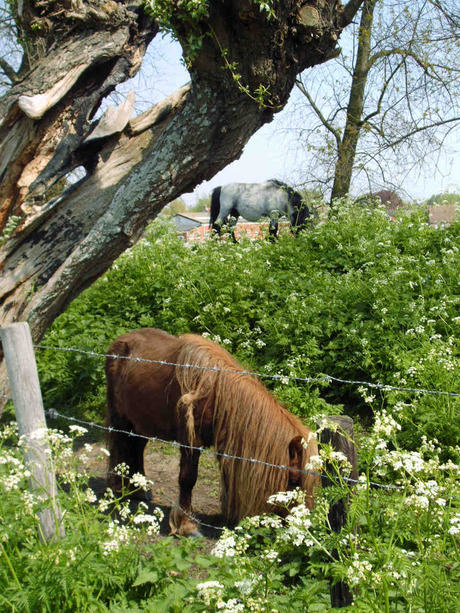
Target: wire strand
{"x": 320, "y": 379}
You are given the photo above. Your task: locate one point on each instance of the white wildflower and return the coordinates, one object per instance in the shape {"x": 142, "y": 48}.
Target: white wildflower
{"x": 246, "y": 586}
{"x": 315, "y": 463}
{"x": 90, "y": 496}
{"x": 210, "y": 591}
{"x": 231, "y": 606}
{"x": 78, "y": 430}
{"x": 358, "y": 570}
{"x": 270, "y": 555}
{"x": 140, "y": 481}
{"x": 287, "y": 498}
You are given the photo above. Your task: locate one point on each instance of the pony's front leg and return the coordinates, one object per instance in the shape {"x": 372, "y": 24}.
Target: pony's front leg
{"x": 180, "y": 517}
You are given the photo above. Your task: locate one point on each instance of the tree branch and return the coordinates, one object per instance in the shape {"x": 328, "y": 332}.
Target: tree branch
{"x": 9, "y": 71}
{"x": 318, "y": 112}
{"x": 407, "y": 53}
{"x": 349, "y": 12}
{"x": 435, "y": 124}
{"x": 378, "y": 110}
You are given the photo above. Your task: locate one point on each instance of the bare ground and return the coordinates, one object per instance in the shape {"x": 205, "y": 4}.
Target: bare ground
{"x": 161, "y": 463}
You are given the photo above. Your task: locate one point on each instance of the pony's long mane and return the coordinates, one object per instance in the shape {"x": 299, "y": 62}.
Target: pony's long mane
{"x": 248, "y": 422}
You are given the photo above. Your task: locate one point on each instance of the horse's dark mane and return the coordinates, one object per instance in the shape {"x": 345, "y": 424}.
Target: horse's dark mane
{"x": 294, "y": 196}
{"x": 278, "y": 183}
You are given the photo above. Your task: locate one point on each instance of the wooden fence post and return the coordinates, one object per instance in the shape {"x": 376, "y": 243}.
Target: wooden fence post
{"x": 341, "y": 438}
{"x": 28, "y": 406}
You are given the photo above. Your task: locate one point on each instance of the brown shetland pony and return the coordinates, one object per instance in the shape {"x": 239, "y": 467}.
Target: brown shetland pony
{"x": 199, "y": 407}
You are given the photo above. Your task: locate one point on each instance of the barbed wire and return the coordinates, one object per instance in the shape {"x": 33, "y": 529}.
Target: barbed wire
{"x": 54, "y": 414}
{"x": 282, "y": 378}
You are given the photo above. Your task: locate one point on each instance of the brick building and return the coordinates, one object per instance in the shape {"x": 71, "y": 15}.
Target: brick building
{"x": 194, "y": 227}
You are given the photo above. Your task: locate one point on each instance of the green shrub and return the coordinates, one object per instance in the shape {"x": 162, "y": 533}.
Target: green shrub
{"x": 359, "y": 297}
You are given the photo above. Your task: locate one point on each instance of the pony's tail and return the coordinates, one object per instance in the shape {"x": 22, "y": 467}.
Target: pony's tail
{"x": 113, "y": 365}
{"x": 215, "y": 205}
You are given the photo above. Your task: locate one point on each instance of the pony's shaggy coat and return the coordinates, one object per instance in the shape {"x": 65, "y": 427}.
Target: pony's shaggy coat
{"x": 212, "y": 404}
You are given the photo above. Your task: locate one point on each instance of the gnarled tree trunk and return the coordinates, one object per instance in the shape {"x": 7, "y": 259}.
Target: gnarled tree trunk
{"x": 77, "y": 53}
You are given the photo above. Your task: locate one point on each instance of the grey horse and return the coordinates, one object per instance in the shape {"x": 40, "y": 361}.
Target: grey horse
{"x": 255, "y": 200}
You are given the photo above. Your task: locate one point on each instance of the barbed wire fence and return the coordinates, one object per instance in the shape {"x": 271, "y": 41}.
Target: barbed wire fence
{"x": 340, "y": 592}
{"x": 282, "y": 378}
{"x": 53, "y": 413}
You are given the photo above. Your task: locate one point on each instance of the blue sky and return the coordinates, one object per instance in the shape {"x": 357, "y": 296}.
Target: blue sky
{"x": 268, "y": 154}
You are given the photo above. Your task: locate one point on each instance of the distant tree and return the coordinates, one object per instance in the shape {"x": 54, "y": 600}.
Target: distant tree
{"x": 446, "y": 198}
{"x": 390, "y": 198}
{"x": 174, "y": 207}
{"x": 203, "y": 203}
{"x": 386, "y": 105}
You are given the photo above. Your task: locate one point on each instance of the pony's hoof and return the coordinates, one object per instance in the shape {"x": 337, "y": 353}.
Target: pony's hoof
{"x": 148, "y": 497}
{"x": 194, "y": 535}
{"x": 140, "y": 495}
{"x": 182, "y": 525}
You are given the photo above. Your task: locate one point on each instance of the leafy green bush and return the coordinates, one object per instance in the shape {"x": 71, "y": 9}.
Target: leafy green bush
{"x": 399, "y": 550}
{"x": 359, "y": 297}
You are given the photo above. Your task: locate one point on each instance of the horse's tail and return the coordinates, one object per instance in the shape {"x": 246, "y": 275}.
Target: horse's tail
{"x": 113, "y": 365}
{"x": 118, "y": 445}
{"x": 215, "y": 205}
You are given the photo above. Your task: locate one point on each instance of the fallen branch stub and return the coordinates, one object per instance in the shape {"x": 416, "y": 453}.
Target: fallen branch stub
{"x": 340, "y": 435}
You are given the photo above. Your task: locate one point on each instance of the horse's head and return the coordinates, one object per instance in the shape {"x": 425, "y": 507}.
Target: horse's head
{"x": 296, "y": 454}
{"x": 301, "y": 448}
{"x": 298, "y": 210}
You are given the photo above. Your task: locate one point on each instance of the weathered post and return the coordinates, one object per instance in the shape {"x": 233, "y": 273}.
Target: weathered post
{"x": 28, "y": 406}
{"x": 341, "y": 438}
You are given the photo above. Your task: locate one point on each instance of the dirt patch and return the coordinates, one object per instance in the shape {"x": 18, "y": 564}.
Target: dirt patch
{"x": 161, "y": 463}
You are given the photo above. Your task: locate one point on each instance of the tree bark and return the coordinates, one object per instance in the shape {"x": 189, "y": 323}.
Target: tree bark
{"x": 53, "y": 248}
{"x": 346, "y": 153}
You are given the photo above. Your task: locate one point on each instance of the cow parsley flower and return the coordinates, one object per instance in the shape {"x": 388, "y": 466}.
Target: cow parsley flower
{"x": 140, "y": 481}
{"x": 210, "y": 591}
{"x": 358, "y": 570}
{"x": 78, "y": 430}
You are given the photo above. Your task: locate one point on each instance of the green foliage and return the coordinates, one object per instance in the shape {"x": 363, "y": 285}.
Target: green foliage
{"x": 203, "y": 203}
{"x": 398, "y": 546}
{"x": 10, "y": 227}
{"x": 174, "y": 207}
{"x": 398, "y": 551}
{"x": 358, "y": 297}
{"x": 444, "y": 198}
{"x": 104, "y": 561}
